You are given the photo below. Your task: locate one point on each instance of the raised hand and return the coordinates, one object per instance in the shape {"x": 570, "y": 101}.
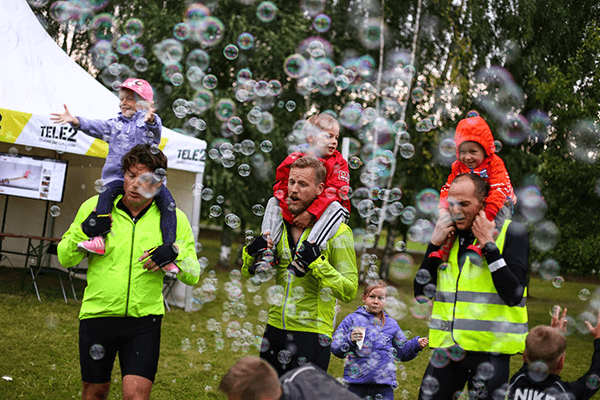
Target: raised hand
{"x": 595, "y": 330}
{"x": 64, "y": 118}
{"x": 560, "y": 322}
{"x": 149, "y": 118}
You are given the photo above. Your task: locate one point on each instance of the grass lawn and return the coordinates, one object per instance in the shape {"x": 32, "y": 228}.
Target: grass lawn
{"x": 39, "y": 347}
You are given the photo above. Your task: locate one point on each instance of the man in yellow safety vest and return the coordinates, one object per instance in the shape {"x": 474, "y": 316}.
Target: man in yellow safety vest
{"x": 479, "y": 317}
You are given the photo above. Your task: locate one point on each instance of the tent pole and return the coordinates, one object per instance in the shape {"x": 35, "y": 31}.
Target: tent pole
{"x": 196, "y": 230}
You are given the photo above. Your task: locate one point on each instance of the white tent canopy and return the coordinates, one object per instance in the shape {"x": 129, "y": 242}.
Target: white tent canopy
{"x": 36, "y": 78}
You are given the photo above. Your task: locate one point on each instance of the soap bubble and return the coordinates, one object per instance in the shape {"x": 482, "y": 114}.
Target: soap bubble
{"x": 210, "y": 31}
{"x": 54, "y": 211}
{"x": 215, "y": 211}
{"x": 141, "y": 64}
{"x": 486, "y": 370}
{"x": 583, "y": 142}
{"x": 401, "y": 267}
{"x": 244, "y": 170}
{"x": 99, "y": 186}
{"x": 210, "y": 81}
{"x": 134, "y": 27}
{"x": 593, "y": 382}
{"x": 430, "y": 385}
{"x": 584, "y": 294}
{"x": 231, "y": 52}
{"x": 181, "y": 31}
{"x": 439, "y": 358}
{"x": 423, "y": 276}
{"x": 456, "y": 353}
{"x": 258, "y": 210}
{"x": 537, "y": 371}
{"x": 558, "y": 282}
{"x": 266, "y": 11}
{"x": 295, "y": 66}
{"x": 284, "y": 357}
{"x": 177, "y": 79}
{"x": 245, "y": 41}
{"x": 549, "y": 269}
{"x": 233, "y": 221}
{"x": 97, "y": 351}
{"x": 322, "y": 23}
{"x": 290, "y": 106}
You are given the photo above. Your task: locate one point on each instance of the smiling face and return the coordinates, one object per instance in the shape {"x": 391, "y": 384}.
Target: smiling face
{"x": 375, "y": 300}
{"x": 302, "y": 189}
{"x": 463, "y": 203}
{"x": 127, "y": 102}
{"x": 471, "y": 154}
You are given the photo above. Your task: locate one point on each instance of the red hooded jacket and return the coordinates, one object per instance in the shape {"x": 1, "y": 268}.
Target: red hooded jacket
{"x": 492, "y": 168}
{"x": 337, "y": 180}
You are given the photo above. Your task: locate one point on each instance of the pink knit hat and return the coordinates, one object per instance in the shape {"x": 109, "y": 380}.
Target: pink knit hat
{"x": 140, "y": 87}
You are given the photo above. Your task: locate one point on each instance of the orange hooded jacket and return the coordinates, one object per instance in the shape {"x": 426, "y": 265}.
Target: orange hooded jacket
{"x": 492, "y": 169}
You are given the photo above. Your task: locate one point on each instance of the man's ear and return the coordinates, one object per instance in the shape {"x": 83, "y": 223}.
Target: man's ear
{"x": 320, "y": 188}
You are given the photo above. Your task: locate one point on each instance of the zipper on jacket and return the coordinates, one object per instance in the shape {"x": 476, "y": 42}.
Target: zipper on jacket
{"x": 130, "y": 267}
{"x": 456, "y": 296}
{"x": 289, "y": 283}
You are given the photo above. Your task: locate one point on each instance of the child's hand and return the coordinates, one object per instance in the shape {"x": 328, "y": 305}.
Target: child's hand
{"x": 64, "y": 118}
{"x": 357, "y": 334}
{"x": 303, "y": 220}
{"x": 594, "y": 329}
{"x": 149, "y": 118}
{"x": 482, "y": 229}
{"x": 558, "y": 321}
{"x": 270, "y": 243}
{"x": 424, "y": 341}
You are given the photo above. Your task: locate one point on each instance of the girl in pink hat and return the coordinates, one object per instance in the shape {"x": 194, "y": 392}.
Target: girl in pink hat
{"x": 137, "y": 123}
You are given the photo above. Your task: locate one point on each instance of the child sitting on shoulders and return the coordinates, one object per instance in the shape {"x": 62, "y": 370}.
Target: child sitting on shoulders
{"x": 328, "y": 210}
{"x": 371, "y": 340}
{"x": 476, "y": 153}
{"x": 137, "y": 123}
{"x": 544, "y": 359}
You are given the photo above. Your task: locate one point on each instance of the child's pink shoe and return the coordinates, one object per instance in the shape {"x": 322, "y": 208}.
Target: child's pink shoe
{"x": 93, "y": 245}
{"x": 171, "y": 267}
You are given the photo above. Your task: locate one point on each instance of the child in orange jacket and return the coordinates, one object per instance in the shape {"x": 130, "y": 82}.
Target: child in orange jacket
{"x": 475, "y": 151}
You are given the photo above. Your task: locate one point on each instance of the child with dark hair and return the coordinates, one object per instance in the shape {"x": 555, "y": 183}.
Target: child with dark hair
{"x": 544, "y": 359}
{"x": 137, "y": 123}
{"x": 371, "y": 341}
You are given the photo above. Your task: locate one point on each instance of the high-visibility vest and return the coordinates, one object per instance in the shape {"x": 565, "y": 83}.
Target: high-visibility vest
{"x": 469, "y": 312}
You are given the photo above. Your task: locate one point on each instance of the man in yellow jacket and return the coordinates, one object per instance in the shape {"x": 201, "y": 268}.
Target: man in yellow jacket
{"x": 479, "y": 317}
{"x": 302, "y": 310}
{"x": 123, "y": 304}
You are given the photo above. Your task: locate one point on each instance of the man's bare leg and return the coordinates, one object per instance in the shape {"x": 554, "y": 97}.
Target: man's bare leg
{"x": 95, "y": 391}
{"x": 136, "y": 387}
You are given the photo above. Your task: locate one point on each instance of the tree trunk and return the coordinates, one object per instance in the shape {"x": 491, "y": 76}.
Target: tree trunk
{"x": 225, "y": 252}
{"x": 384, "y": 268}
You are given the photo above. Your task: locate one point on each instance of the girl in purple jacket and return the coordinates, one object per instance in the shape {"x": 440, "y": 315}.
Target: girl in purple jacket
{"x": 137, "y": 123}
{"x": 370, "y": 340}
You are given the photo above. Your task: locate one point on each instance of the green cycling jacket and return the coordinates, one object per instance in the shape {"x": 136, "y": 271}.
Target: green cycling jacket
{"x": 117, "y": 283}
{"x": 307, "y": 304}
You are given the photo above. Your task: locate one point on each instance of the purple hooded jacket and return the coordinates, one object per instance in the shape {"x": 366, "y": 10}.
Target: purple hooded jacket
{"x": 374, "y": 363}
{"x": 121, "y": 134}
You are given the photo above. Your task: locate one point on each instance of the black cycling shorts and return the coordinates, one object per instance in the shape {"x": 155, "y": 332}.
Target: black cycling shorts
{"x": 137, "y": 340}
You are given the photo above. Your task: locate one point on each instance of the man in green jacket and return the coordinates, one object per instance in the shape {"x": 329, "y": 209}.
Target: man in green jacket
{"x": 123, "y": 304}
{"x": 300, "y": 323}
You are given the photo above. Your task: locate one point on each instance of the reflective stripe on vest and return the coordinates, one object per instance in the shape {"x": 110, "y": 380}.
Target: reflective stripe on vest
{"x": 469, "y": 312}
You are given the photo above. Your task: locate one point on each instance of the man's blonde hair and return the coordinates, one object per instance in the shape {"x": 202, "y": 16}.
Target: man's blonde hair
{"x": 546, "y": 344}
{"x": 251, "y": 378}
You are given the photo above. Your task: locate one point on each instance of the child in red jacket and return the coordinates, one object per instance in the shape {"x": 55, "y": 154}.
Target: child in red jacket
{"x": 475, "y": 151}
{"x": 330, "y": 208}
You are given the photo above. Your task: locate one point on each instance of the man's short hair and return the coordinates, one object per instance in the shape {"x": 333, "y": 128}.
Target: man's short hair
{"x": 546, "y": 344}
{"x": 314, "y": 163}
{"x": 324, "y": 122}
{"x": 251, "y": 378}
{"x": 482, "y": 188}
{"x": 146, "y": 155}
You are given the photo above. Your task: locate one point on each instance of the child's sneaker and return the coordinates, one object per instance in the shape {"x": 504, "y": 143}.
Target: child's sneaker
{"x": 93, "y": 245}
{"x": 171, "y": 267}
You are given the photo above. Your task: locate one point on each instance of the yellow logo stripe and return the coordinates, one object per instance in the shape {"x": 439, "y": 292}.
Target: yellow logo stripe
{"x": 12, "y": 124}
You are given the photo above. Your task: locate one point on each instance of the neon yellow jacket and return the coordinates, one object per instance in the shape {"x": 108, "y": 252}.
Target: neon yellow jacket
{"x": 307, "y": 304}
{"x": 468, "y": 310}
{"x": 117, "y": 285}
